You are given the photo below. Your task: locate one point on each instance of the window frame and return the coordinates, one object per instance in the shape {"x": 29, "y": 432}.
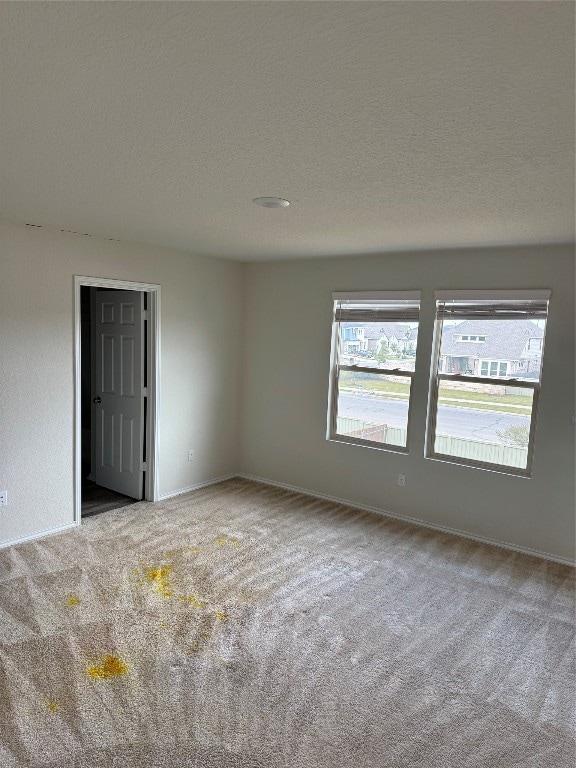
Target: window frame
{"x": 436, "y": 377}
{"x": 498, "y": 363}
{"x": 332, "y": 433}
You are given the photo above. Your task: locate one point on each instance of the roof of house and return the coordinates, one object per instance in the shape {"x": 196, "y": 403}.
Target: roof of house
{"x": 378, "y": 330}
{"x": 505, "y": 340}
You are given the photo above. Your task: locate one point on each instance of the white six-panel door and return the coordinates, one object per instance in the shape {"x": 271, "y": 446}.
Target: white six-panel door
{"x": 118, "y": 391}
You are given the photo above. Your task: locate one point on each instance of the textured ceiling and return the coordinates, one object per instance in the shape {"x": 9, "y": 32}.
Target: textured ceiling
{"x": 389, "y": 125}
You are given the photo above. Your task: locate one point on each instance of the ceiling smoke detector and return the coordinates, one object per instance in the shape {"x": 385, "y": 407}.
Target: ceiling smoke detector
{"x": 272, "y": 202}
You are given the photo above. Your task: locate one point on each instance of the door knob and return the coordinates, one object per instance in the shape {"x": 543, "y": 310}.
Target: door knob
{"x": 97, "y": 400}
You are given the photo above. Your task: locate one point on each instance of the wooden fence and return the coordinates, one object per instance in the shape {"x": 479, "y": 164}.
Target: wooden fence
{"x": 493, "y": 453}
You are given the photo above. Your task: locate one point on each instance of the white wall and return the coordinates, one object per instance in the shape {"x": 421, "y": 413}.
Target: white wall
{"x": 287, "y": 348}
{"x": 200, "y": 359}
{"x": 282, "y": 394}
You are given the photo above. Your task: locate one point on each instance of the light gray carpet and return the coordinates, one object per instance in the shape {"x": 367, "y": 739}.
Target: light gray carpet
{"x": 243, "y": 626}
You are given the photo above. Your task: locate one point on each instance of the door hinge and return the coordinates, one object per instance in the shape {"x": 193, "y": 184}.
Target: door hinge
{"x": 143, "y": 466}
{"x": 145, "y": 314}
{"x": 144, "y": 391}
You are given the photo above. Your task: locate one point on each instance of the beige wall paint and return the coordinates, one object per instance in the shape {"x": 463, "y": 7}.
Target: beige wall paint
{"x": 287, "y": 348}
{"x": 200, "y": 359}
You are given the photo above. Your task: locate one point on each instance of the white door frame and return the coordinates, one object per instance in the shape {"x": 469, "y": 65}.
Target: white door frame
{"x": 151, "y": 484}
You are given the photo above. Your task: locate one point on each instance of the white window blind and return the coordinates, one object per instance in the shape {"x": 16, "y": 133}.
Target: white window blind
{"x": 384, "y": 306}
{"x": 501, "y": 305}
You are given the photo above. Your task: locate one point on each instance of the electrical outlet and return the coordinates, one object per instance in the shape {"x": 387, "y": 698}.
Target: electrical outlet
{"x": 190, "y": 455}
{"x": 402, "y": 480}
{"x": 3, "y": 498}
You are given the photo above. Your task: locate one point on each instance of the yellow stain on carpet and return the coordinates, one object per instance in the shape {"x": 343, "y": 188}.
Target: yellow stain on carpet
{"x": 110, "y": 666}
{"x": 221, "y": 615}
{"x": 72, "y": 601}
{"x": 223, "y": 541}
{"x": 161, "y": 579}
{"x": 194, "y": 601}
{"x": 195, "y": 550}
{"x": 51, "y": 705}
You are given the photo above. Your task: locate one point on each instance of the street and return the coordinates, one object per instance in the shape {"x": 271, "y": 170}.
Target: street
{"x": 453, "y": 421}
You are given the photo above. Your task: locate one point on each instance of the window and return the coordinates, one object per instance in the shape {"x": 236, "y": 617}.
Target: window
{"x": 483, "y": 411}
{"x": 493, "y": 368}
{"x": 370, "y": 396}
{"x": 472, "y": 338}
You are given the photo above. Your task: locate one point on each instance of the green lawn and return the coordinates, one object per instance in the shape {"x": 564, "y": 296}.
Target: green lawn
{"x": 359, "y": 381}
{"x": 463, "y": 394}
{"x": 506, "y": 403}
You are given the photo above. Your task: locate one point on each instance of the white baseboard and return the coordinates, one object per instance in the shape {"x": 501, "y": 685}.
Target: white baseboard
{"x": 38, "y": 535}
{"x": 337, "y": 500}
{"x": 414, "y": 521}
{"x": 61, "y": 528}
{"x": 180, "y": 491}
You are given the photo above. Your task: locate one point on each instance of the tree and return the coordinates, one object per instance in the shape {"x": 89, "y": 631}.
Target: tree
{"x": 516, "y": 435}
{"x": 394, "y": 349}
{"x": 411, "y": 349}
{"x": 383, "y": 350}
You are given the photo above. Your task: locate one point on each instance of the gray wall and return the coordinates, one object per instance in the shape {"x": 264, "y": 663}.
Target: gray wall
{"x": 285, "y": 385}
{"x": 200, "y": 364}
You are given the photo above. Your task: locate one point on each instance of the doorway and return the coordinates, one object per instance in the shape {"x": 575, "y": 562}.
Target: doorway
{"x": 116, "y": 393}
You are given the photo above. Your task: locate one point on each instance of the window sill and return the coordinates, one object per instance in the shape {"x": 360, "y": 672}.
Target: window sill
{"x": 386, "y": 447}
{"x": 499, "y": 469}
